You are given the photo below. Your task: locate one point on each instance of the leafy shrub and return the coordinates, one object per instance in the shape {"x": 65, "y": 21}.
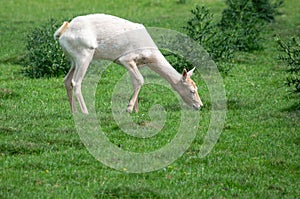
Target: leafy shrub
{"x": 290, "y": 55}
{"x": 238, "y": 30}
{"x": 267, "y": 10}
{"x": 199, "y": 26}
{"x": 217, "y": 43}
{"x": 44, "y": 57}
{"x": 244, "y": 22}
{"x": 246, "y": 19}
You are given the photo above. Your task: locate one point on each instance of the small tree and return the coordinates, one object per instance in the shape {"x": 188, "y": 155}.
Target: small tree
{"x": 266, "y": 9}
{"x": 241, "y": 18}
{"x": 290, "y": 55}
{"x": 205, "y": 31}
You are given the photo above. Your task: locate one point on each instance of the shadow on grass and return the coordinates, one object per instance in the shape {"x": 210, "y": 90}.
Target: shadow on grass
{"x": 294, "y": 97}
{"x": 295, "y": 108}
{"x": 7, "y": 93}
{"x": 294, "y": 114}
{"x": 128, "y": 192}
{"x": 236, "y": 104}
{"x": 18, "y": 60}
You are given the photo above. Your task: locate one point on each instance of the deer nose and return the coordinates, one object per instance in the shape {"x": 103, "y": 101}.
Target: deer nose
{"x": 197, "y": 106}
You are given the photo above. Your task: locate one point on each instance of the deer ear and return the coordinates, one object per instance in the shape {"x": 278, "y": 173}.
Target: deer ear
{"x": 190, "y": 73}
{"x": 184, "y": 74}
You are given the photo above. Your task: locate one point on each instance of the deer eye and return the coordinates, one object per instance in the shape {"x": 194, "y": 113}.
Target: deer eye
{"x": 193, "y": 91}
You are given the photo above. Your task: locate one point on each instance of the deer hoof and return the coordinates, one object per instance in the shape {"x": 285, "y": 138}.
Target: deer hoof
{"x": 129, "y": 110}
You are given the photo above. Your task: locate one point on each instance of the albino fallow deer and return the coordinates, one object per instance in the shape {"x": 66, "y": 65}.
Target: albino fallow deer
{"x": 106, "y": 37}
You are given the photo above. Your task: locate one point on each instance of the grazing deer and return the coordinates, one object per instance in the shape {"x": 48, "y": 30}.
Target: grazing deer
{"x": 101, "y": 36}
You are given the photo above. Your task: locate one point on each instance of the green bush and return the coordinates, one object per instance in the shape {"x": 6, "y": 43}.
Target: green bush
{"x": 244, "y": 22}
{"x": 44, "y": 57}
{"x": 290, "y": 55}
{"x": 217, "y": 43}
{"x": 200, "y": 27}
{"x": 266, "y": 9}
{"x": 239, "y": 29}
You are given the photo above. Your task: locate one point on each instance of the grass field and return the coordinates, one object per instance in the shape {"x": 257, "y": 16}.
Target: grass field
{"x": 42, "y": 155}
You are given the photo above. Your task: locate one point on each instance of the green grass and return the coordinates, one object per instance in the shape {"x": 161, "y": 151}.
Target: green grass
{"x": 42, "y": 156}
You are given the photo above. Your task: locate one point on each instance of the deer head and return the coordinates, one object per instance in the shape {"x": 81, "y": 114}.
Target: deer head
{"x": 187, "y": 89}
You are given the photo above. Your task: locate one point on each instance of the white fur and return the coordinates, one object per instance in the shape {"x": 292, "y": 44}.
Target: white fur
{"x": 101, "y": 36}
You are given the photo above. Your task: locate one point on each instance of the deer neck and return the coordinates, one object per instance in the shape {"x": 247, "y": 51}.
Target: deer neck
{"x": 165, "y": 70}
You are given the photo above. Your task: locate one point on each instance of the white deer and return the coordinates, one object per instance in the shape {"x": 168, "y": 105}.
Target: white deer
{"x": 101, "y": 36}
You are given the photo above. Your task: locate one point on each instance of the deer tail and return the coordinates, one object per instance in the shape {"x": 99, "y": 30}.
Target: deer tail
{"x": 58, "y": 33}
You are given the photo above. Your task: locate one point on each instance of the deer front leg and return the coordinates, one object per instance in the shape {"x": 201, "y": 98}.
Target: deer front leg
{"x": 133, "y": 103}
{"x": 137, "y": 81}
{"x": 136, "y": 105}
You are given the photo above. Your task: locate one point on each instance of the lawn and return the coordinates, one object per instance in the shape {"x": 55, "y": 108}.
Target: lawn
{"x": 42, "y": 155}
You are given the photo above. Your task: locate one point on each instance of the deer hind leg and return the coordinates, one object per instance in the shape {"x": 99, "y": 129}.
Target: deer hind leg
{"x": 137, "y": 81}
{"x": 69, "y": 87}
{"x": 81, "y": 66}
